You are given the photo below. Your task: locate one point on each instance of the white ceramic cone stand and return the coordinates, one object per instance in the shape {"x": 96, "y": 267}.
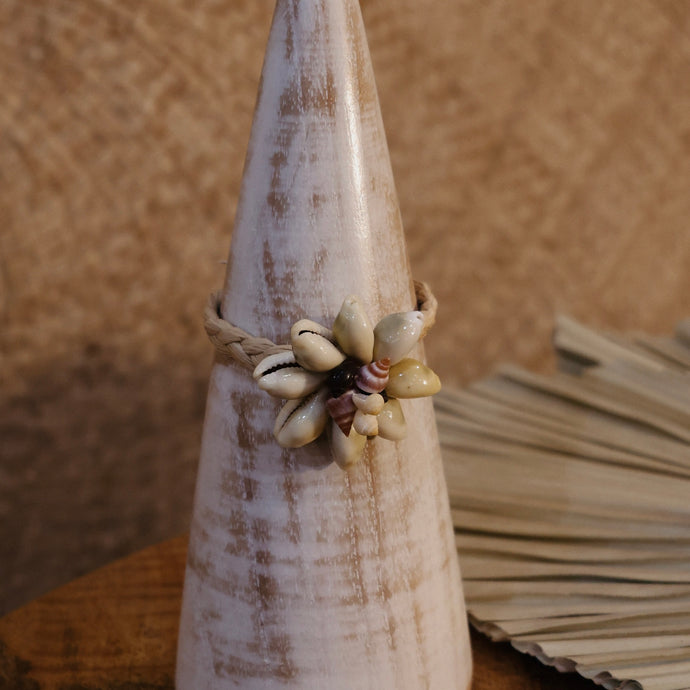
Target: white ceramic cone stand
{"x": 300, "y": 574}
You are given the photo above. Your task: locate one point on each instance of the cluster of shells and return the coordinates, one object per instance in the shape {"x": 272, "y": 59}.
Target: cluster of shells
{"x": 352, "y": 376}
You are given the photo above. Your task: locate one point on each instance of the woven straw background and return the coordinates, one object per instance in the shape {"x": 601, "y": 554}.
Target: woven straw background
{"x": 542, "y": 156}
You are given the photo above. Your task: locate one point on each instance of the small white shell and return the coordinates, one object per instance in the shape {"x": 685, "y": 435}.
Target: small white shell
{"x": 281, "y": 376}
{"x": 392, "y": 424}
{"x": 313, "y": 346}
{"x": 396, "y": 334}
{"x": 412, "y": 379}
{"x": 365, "y": 424}
{"x": 369, "y": 404}
{"x": 301, "y": 421}
{"x": 353, "y": 330}
{"x": 346, "y": 450}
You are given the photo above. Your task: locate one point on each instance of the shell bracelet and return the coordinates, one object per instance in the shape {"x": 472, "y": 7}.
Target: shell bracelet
{"x": 351, "y": 375}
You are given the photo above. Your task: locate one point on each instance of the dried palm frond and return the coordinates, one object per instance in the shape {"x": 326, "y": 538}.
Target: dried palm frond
{"x": 571, "y": 503}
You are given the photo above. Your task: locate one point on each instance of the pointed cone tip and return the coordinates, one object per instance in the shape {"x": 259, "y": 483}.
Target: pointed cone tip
{"x": 318, "y": 217}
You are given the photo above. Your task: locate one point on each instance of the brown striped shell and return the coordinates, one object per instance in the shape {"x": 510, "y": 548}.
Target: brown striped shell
{"x": 342, "y": 409}
{"x": 373, "y": 378}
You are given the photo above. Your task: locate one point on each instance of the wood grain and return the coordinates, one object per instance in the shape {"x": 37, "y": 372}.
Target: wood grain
{"x": 116, "y": 629}
{"x": 115, "y": 626}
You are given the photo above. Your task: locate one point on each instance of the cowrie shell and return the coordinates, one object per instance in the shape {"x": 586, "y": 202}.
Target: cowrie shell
{"x": 346, "y": 450}
{"x": 301, "y": 421}
{"x": 313, "y": 346}
{"x": 396, "y": 334}
{"x": 412, "y": 379}
{"x": 353, "y": 330}
{"x": 392, "y": 424}
{"x": 281, "y": 376}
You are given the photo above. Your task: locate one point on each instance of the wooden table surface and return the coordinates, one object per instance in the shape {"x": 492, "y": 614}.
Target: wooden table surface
{"x": 116, "y": 629}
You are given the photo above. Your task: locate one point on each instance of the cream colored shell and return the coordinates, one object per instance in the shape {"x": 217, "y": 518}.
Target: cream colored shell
{"x": 353, "y": 330}
{"x": 301, "y": 421}
{"x": 281, "y": 376}
{"x": 365, "y": 424}
{"x": 391, "y": 420}
{"x": 410, "y": 378}
{"x": 346, "y": 450}
{"x": 396, "y": 334}
{"x": 314, "y": 347}
{"x": 369, "y": 404}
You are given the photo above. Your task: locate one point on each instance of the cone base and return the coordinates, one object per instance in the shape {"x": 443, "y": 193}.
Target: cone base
{"x": 303, "y": 575}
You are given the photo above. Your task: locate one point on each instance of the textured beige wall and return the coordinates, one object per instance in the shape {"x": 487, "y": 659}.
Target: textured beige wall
{"x": 542, "y": 156}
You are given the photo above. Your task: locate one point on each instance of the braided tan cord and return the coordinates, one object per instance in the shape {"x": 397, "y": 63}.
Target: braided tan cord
{"x": 231, "y": 340}
{"x": 427, "y": 304}
{"x": 249, "y": 350}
